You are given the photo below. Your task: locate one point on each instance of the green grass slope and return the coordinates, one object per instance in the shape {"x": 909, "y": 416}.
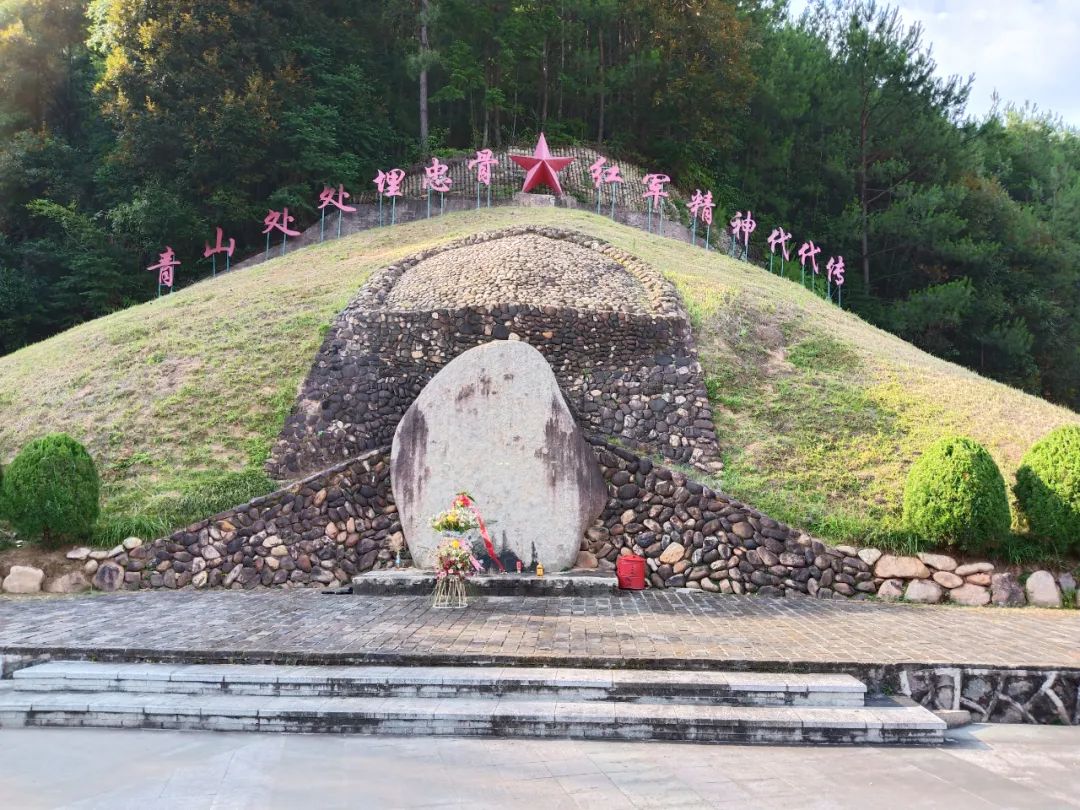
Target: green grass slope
{"x": 818, "y": 413}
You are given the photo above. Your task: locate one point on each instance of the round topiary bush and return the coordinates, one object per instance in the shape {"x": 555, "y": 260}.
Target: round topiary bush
{"x": 51, "y": 490}
{"x": 955, "y": 495}
{"x": 1048, "y": 487}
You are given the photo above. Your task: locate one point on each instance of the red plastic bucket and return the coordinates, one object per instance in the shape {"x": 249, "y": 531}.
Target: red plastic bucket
{"x": 630, "y": 571}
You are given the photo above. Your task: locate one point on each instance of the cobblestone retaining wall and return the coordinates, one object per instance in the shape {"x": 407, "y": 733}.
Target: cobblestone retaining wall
{"x": 319, "y": 531}
{"x": 627, "y": 375}
{"x": 694, "y": 537}
{"x": 343, "y": 521}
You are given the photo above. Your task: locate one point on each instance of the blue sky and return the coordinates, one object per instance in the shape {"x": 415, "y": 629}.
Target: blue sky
{"x": 1026, "y": 50}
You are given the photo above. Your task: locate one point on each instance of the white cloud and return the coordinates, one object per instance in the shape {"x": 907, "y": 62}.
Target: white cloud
{"x": 1023, "y": 49}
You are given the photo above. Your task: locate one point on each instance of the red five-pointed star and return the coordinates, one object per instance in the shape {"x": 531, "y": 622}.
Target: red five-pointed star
{"x": 541, "y": 167}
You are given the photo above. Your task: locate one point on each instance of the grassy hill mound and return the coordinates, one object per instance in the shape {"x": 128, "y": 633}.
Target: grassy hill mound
{"x": 819, "y": 414}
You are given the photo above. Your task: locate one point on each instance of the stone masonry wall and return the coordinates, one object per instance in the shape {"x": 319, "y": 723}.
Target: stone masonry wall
{"x": 319, "y": 531}
{"x": 343, "y": 521}
{"x": 628, "y": 375}
{"x": 694, "y": 537}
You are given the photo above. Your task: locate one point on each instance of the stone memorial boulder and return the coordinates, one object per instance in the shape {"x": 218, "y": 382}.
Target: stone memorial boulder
{"x": 493, "y": 423}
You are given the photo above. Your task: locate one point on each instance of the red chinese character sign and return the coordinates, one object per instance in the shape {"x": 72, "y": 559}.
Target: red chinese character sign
{"x": 749, "y": 225}
{"x": 212, "y": 252}
{"x": 808, "y": 250}
{"x": 167, "y": 263}
{"x": 834, "y": 272}
{"x": 701, "y": 205}
{"x": 483, "y": 162}
{"x": 779, "y": 238}
{"x": 655, "y": 194}
{"x": 596, "y": 171}
{"x": 611, "y": 179}
{"x": 335, "y": 197}
{"x": 604, "y": 175}
{"x": 278, "y": 221}
{"x": 736, "y": 229}
{"x": 388, "y": 184}
{"x": 741, "y": 228}
{"x": 436, "y": 179}
{"x": 541, "y": 168}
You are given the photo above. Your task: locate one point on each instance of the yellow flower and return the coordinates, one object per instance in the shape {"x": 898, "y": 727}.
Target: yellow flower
{"x": 456, "y": 544}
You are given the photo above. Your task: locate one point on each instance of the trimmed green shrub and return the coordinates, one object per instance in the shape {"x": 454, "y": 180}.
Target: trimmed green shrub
{"x": 51, "y": 490}
{"x": 955, "y": 496}
{"x": 1048, "y": 487}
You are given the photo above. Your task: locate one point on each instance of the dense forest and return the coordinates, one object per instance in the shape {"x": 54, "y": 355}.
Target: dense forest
{"x": 129, "y": 124}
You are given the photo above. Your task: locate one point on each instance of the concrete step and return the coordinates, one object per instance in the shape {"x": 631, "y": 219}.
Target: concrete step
{"x": 498, "y": 717}
{"x": 520, "y": 683}
{"x": 414, "y": 582}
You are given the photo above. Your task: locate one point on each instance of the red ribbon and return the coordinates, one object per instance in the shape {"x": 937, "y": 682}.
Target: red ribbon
{"x": 465, "y": 501}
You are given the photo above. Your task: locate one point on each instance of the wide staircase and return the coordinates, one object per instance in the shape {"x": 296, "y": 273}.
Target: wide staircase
{"x": 467, "y": 701}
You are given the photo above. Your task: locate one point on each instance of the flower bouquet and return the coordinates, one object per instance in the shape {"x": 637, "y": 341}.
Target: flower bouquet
{"x": 456, "y": 520}
{"x": 454, "y": 560}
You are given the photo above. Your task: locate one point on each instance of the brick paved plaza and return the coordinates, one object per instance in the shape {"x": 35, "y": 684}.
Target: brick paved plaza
{"x": 641, "y": 628}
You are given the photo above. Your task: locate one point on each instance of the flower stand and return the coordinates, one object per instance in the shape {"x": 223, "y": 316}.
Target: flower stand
{"x": 449, "y": 592}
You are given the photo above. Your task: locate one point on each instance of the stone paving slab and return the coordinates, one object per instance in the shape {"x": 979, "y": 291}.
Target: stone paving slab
{"x": 504, "y": 716}
{"x": 657, "y": 629}
{"x": 523, "y": 683}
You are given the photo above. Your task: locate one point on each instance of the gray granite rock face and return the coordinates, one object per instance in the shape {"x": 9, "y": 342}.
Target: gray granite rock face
{"x": 494, "y": 423}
